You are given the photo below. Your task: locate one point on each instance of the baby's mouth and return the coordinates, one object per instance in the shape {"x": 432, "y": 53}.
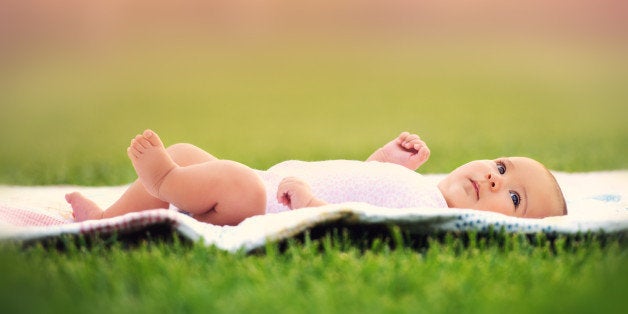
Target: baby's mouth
{"x": 475, "y": 187}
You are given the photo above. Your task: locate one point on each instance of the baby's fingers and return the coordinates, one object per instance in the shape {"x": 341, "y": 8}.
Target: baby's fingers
{"x": 284, "y": 198}
{"x": 415, "y": 160}
{"x": 418, "y": 144}
{"x": 411, "y": 141}
{"x": 293, "y": 192}
{"x": 402, "y": 137}
{"x": 423, "y": 153}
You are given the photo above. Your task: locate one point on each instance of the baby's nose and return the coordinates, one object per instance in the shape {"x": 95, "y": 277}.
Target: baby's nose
{"x": 494, "y": 181}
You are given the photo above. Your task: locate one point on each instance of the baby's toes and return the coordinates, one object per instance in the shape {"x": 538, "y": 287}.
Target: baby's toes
{"x": 132, "y": 153}
{"x": 152, "y": 138}
{"x": 135, "y": 149}
{"x": 138, "y": 143}
{"x": 144, "y": 143}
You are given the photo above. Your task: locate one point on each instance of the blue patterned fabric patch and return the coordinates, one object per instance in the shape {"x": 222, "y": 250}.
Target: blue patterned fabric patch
{"x": 608, "y": 198}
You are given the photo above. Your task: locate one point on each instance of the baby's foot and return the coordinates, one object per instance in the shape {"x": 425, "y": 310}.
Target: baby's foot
{"x": 82, "y": 207}
{"x": 150, "y": 160}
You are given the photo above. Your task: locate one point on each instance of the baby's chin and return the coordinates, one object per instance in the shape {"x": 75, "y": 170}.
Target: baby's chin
{"x": 457, "y": 198}
{"x": 460, "y": 204}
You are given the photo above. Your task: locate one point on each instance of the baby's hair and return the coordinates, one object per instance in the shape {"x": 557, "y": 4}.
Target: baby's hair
{"x": 558, "y": 192}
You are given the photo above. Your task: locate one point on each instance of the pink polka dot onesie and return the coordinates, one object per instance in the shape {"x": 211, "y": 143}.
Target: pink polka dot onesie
{"x": 339, "y": 181}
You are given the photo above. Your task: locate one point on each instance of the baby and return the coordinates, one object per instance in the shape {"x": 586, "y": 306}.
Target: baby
{"x": 225, "y": 192}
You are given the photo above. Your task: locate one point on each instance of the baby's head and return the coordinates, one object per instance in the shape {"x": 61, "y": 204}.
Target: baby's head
{"x": 515, "y": 186}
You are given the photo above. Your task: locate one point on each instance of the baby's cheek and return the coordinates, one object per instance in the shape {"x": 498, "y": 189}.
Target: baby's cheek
{"x": 497, "y": 205}
{"x": 457, "y": 197}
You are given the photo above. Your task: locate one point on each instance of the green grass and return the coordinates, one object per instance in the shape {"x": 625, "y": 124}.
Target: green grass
{"x": 67, "y": 119}
{"x": 331, "y": 274}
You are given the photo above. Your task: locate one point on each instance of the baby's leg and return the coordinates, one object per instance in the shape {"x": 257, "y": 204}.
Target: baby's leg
{"x": 136, "y": 198}
{"x": 216, "y": 191}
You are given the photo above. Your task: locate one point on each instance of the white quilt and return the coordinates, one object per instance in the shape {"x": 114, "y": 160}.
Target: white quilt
{"x": 597, "y": 202}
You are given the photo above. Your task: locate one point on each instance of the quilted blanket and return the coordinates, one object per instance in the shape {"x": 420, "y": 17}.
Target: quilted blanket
{"x": 597, "y": 202}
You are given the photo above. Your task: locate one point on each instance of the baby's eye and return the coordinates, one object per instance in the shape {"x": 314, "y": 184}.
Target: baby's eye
{"x": 515, "y": 198}
{"x": 501, "y": 167}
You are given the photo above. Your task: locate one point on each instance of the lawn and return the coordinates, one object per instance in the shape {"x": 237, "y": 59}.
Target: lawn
{"x": 67, "y": 119}
{"x": 328, "y": 275}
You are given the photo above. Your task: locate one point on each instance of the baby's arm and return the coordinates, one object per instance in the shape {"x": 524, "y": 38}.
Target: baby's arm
{"x": 295, "y": 193}
{"x": 407, "y": 150}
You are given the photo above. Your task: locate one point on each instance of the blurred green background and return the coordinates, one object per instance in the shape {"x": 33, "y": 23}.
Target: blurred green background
{"x": 269, "y": 81}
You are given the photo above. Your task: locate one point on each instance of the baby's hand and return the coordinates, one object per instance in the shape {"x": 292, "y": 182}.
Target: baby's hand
{"x": 407, "y": 150}
{"x": 294, "y": 193}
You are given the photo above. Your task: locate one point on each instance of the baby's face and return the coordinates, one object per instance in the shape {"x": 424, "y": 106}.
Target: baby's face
{"x": 515, "y": 186}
